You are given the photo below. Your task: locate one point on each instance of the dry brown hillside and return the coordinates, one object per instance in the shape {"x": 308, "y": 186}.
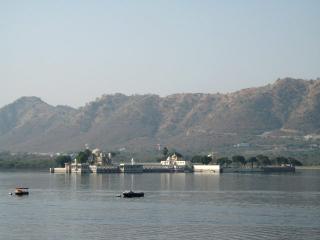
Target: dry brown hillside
{"x": 188, "y": 121}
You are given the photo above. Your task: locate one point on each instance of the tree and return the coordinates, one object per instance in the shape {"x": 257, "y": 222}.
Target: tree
{"x": 201, "y": 159}
{"x": 165, "y": 152}
{"x": 206, "y": 160}
{"x": 61, "y": 160}
{"x": 196, "y": 159}
{"x": 294, "y": 161}
{"x": 88, "y": 152}
{"x": 263, "y": 160}
{"x": 222, "y": 161}
{"x": 239, "y": 159}
{"x": 228, "y": 162}
{"x": 82, "y": 157}
{"x": 252, "y": 160}
{"x": 281, "y": 160}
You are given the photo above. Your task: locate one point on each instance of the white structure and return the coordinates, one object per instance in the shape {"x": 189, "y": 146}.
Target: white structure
{"x": 79, "y": 167}
{"x": 175, "y": 161}
{"x": 100, "y": 158}
{"x": 207, "y": 168}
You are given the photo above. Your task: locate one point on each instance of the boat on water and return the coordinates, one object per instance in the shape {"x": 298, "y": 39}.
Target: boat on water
{"x": 21, "y": 191}
{"x": 132, "y": 194}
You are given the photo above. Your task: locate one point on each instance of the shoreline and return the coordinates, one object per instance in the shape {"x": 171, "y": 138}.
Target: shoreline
{"x": 308, "y": 168}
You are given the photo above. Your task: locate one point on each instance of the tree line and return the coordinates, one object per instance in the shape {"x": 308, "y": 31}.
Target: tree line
{"x": 241, "y": 161}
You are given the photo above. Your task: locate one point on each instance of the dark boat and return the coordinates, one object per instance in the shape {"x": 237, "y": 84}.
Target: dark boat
{"x": 131, "y": 194}
{"x": 21, "y": 191}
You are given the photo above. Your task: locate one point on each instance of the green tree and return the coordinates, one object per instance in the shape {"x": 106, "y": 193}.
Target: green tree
{"x": 82, "y": 157}
{"x": 203, "y": 159}
{"x": 196, "y": 159}
{"x": 88, "y": 152}
{"x": 239, "y": 159}
{"x": 206, "y": 160}
{"x": 294, "y": 161}
{"x": 252, "y": 160}
{"x": 263, "y": 160}
{"x": 165, "y": 152}
{"x": 281, "y": 160}
{"x": 228, "y": 162}
{"x": 222, "y": 161}
{"x": 61, "y": 160}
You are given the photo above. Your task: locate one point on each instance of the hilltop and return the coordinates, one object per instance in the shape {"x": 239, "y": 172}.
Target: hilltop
{"x": 188, "y": 122}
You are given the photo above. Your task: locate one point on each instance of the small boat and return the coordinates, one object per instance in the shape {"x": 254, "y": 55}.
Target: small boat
{"x": 131, "y": 194}
{"x": 21, "y": 191}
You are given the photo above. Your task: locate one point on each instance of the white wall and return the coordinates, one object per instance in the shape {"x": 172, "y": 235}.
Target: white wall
{"x": 206, "y": 168}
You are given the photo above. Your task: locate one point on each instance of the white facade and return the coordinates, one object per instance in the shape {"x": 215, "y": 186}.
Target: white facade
{"x": 100, "y": 158}
{"x": 79, "y": 167}
{"x": 207, "y": 168}
{"x": 174, "y": 161}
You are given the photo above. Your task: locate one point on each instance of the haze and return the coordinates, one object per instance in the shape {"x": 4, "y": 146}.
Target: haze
{"x": 70, "y": 52}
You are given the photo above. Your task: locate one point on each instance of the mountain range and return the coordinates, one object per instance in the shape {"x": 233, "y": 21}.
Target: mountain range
{"x": 187, "y": 121}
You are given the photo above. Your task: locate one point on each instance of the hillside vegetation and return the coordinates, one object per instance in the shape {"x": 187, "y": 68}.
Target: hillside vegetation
{"x": 188, "y": 122}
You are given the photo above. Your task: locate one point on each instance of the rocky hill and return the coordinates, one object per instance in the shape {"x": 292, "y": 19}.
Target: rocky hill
{"x": 190, "y": 122}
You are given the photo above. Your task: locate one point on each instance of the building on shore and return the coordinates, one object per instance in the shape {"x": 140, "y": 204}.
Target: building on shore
{"x": 100, "y": 158}
{"x": 97, "y": 162}
{"x": 176, "y": 161}
{"x": 79, "y": 167}
{"x": 130, "y": 167}
{"x": 207, "y": 168}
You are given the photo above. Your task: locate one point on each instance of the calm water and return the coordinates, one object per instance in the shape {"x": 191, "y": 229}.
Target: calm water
{"x": 176, "y": 206}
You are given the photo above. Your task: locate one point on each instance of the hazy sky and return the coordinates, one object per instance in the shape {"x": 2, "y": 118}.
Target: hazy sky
{"x": 70, "y": 52}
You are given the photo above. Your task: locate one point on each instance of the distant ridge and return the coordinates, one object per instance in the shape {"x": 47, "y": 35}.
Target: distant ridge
{"x": 191, "y": 122}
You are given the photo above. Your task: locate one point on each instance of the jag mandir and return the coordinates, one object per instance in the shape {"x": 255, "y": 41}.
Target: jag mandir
{"x": 99, "y": 162}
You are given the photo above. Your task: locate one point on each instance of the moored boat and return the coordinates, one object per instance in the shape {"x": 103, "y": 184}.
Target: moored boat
{"x": 131, "y": 194}
{"x": 21, "y": 191}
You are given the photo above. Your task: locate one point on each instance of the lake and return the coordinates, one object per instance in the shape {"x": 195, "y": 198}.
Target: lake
{"x": 175, "y": 206}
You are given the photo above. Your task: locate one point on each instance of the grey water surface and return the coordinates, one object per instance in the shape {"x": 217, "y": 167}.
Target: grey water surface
{"x": 175, "y": 206}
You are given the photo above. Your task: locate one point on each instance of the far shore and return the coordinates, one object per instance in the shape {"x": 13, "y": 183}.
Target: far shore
{"x": 308, "y": 167}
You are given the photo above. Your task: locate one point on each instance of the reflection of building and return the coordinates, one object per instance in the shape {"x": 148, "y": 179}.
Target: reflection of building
{"x": 175, "y": 161}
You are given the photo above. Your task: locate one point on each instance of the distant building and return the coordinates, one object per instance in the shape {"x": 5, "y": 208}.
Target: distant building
{"x": 131, "y": 167}
{"x": 100, "y": 158}
{"x": 175, "y": 161}
{"x": 207, "y": 168}
{"x": 76, "y": 167}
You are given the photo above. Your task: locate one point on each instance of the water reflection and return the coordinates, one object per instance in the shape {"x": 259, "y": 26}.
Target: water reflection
{"x": 178, "y": 205}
